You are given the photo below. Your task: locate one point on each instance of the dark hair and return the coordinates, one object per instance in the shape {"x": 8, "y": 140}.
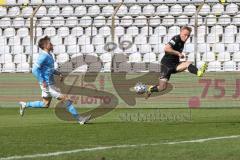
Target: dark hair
{"x": 43, "y": 41}
{"x": 186, "y": 28}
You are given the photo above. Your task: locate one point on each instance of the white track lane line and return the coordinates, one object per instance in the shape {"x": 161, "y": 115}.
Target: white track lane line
{"x": 117, "y": 146}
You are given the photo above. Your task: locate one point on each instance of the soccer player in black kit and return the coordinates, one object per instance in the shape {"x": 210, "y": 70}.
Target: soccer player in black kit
{"x": 170, "y": 63}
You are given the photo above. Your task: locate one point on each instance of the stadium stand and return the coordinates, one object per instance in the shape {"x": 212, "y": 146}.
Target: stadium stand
{"x": 84, "y": 27}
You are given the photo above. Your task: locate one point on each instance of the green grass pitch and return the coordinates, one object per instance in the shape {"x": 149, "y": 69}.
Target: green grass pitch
{"x": 41, "y": 132}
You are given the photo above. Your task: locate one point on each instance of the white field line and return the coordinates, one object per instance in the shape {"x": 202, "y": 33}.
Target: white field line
{"x": 117, "y": 146}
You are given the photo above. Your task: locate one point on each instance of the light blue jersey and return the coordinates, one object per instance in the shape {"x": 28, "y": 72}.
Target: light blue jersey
{"x": 44, "y": 69}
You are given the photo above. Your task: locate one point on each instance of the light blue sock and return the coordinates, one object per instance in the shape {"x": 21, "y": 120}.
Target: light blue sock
{"x": 36, "y": 104}
{"x": 72, "y": 109}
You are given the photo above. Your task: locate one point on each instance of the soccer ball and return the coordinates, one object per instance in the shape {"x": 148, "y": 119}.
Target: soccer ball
{"x": 140, "y": 88}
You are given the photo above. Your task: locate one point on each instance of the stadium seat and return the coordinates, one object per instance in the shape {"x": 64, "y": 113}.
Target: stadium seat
{"x": 22, "y": 2}
{"x": 189, "y": 47}
{"x": 5, "y": 22}
{"x": 130, "y": 50}
{"x": 87, "y": 49}
{"x": 211, "y": 19}
{"x": 72, "y": 21}
{"x": 98, "y": 40}
{"x": 66, "y": 67}
{"x": 6, "y": 58}
{"x": 231, "y": 29}
{"x": 217, "y": 30}
{"x": 236, "y": 19}
{"x": 99, "y": 21}
{"x": 135, "y": 57}
{"x": 154, "y": 21}
{"x": 117, "y": 21}
{"x": 160, "y": 31}
{"x": 189, "y": 10}
{"x": 173, "y": 30}
{"x": 58, "y": 49}
{"x": 27, "y": 11}
{"x": 45, "y": 22}
{"x": 159, "y": 48}
{"x": 20, "y": 58}
{"x": 91, "y": 31}
{"x": 48, "y": 2}
{"x": 224, "y": 20}
{"x": 4, "y": 49}
{"x": 35, "y": 2}
{"x": 135, "y": 10}
{"x": 23, "y": 67}
{"x": 228, "y": 38}
{"x": 140, "y": 40}
{"x": 100, "y": 49}
{"x": 145, "y": 48}
{"x": 149, "y": 57}
{"x": 80, "y": 10}
{"x": 53, "y": 11}
{"x": 154, "y": 39}
{"x": 126, "y": 38}
{"x": 107, "y": 10}
{"x": 62, "y": 2}
{"x": 84, "y": 40}
{"x": 217, "y": 9}
{"x": 223, "y": 56}
{"x": 205, "y": 10}
{"x": 18, "y": 22}
{"x": 106, "y": 57}
{"x": 162, "y": 10}
{"x": 168, "y": 21}
{"x": 176, "y": 10}
{"x": 89, "y": 1}
{"x": 231, "y": 8}
{"x": 3, "y": 11}
{"x": 120, "y": 57}
{"x": 229, "y": 66}
{"x": 140, "y": 21}
{"x": 22, "y": 32}
{"x": 28, "y": 49}
{"x": 77, "y": 31}
{"x": 73, "y": 49}
{"x": 85, "y": 21}
{"x": 42, "y": 11}
{"x": 213, "y": 38}
{"x": 208, "y": 57}
{"x": 139, "y": 67}
{"x": 50, "y": 31}
{"x": 238, "y": 38}
{"x": 14, "y": 41}
{"x": 233, "y": 47}
{"x": 218, "y": 47}
{"x": 62, "y": 58}
{"x": 9, "y": 67}
{"x": 63, "y": 31}
{"x": 11, "y": 2}
{"x": 214, "y": 66}
{"x": 17, "y": 49}
{"x": 77, "y": 58}
{"x": 154, "y": 67}
{"x": 93, "y": 10}
{"x": 148, "y": 10}
{"x": 146, "y": 31}
{"x": 123, "y": 10}
{"x": 236, "y": 56}
{"x": 105, "y": 31}
{"x": 182, "y": 20}
{"x": 67, "y": 11}
{"x": 126, "y": 21}
{"x": 13, "y": 11}
{"x": 70, "y": 40}
{"x": 192, "y": 20}
{"x": 56, "y": 40}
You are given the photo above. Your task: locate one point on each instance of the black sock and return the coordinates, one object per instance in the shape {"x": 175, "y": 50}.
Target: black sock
{"x": 192, "y": 69}
{"x": 154, "y": 89}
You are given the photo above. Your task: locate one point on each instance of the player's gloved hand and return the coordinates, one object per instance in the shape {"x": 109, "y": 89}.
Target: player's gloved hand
{"x": 180, "y": 55}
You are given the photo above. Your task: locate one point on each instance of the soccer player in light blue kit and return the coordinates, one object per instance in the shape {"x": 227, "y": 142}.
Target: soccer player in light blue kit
{"x": 44, "y": 72}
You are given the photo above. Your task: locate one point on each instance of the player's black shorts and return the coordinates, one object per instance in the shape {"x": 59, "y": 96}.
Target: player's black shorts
{"x": 168, "y": 67}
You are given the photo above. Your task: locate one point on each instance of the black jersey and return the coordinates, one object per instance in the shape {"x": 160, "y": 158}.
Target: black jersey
{"x": 177, "y": 44}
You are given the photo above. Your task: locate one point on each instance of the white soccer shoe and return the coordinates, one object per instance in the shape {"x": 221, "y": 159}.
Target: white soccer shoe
{"x": 22, "y": 108}
{"x": 84, "y": 120}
